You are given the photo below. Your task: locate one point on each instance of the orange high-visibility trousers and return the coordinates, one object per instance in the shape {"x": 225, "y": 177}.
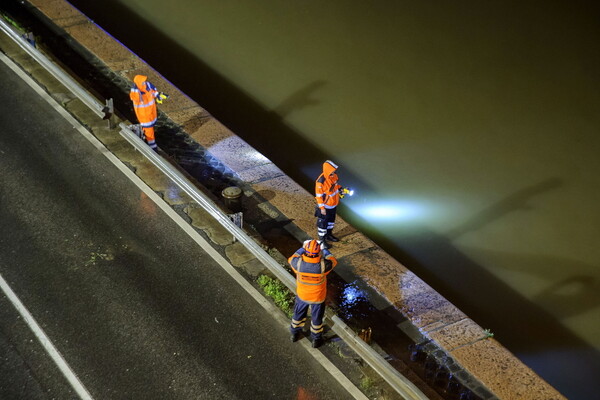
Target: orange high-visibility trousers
{"x": 143, "y": 95}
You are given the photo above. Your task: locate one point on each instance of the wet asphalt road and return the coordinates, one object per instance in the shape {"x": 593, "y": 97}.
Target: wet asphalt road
{"x": 135, "y": 307}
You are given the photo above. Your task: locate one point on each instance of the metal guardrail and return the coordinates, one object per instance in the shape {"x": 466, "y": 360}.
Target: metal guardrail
{"x": 53, "y": 69}
{"x": 206, "y": 203}
{"x": 396, "y": 380}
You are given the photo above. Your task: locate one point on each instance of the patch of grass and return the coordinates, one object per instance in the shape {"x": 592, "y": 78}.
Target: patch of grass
{"x": 366, "y": 383}
{"x": 488, "y": 333}
{"x": 12, "y": 22}
{"x": 281, "y": 295}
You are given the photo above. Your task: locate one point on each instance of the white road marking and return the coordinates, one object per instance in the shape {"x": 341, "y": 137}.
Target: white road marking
{"x": 25, "y": 314}
{"x": 45, "y": 341}
{"x": 207, "y": 247}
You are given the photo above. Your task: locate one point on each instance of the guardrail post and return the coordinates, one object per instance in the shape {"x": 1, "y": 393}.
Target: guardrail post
{"x": 30, "y": 38}
{"x": 238, "y": 219}
{"x": 109, "y": 112}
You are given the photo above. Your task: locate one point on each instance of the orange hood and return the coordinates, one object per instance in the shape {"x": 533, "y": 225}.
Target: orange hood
{"x": 140, "y": 81}
{"x": 329, "y": 167}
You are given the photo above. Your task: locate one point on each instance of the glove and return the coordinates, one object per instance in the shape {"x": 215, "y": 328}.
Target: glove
{"x": 346, "y": 191}
{"x": 161, "y": 97}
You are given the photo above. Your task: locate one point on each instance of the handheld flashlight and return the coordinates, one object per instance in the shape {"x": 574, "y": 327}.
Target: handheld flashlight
{"x": 347, "y": 192}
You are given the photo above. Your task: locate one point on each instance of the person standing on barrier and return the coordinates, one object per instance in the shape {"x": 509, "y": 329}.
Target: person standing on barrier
{"x": 144, "y": 97}
{"x": 311, "y": 264}
{"x": 327, "y": 193}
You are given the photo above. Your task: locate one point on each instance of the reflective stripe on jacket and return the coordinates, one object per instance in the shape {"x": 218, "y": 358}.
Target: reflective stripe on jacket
{"x": 311, "y": 275}
{"x": 327, "y": 190}
{"x": 142, "y": 94}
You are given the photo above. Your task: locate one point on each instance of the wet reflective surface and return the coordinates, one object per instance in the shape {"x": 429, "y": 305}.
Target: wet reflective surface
{"x": 354, "y": 303}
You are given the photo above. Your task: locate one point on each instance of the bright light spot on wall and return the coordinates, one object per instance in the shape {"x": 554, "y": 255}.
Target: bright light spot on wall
{"x": 384, "y": 212}
{"x": 389, "y": 210}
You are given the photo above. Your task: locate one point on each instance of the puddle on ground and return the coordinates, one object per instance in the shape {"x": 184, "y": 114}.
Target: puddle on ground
{"x": 353, "y": 304}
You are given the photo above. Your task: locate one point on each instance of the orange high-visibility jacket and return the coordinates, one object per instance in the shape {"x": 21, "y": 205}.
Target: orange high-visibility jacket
{"x": 142, "y": 95}
{"x": 327, "y": 190}
{"x": 311, "y": 275}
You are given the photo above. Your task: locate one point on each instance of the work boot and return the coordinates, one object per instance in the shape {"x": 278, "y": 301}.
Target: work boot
{"x": 317, "y": 342}
{"x": 294, "y": 337}
{"x": 331, "y": 238}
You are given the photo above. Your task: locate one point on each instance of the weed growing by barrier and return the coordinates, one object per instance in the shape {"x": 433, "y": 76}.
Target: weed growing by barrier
{"x": 281, "y": 295}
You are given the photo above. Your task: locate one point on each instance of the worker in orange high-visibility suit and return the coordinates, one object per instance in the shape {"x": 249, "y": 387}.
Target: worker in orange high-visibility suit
{"x": 144, "y": 96}
{"x": 327, "y": 194}
{"x": 311, "y": 265}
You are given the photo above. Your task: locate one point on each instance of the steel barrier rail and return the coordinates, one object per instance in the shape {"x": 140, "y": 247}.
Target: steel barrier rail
{"x": 206, "y": 203}
{"x": 53, "y": 69}
{"x": 396, "y": 380}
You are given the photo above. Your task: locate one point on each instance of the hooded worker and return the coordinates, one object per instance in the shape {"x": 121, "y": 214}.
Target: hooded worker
{"x": 327, "y": 195}
{"x": 144, "y": 96}
{"x": 311, "y": 264}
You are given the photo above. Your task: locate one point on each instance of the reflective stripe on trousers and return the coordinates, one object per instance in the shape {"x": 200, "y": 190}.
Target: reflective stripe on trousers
{"x": 317, "y": 311}
{"x": 326, "y": 222}
{"x": 149, "y": 136}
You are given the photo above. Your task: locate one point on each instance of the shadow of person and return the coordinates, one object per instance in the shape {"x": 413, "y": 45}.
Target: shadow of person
{"x": 571, "y": 296}
{"x": 300, "y": 99}
{"x": 514, "y": 202}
